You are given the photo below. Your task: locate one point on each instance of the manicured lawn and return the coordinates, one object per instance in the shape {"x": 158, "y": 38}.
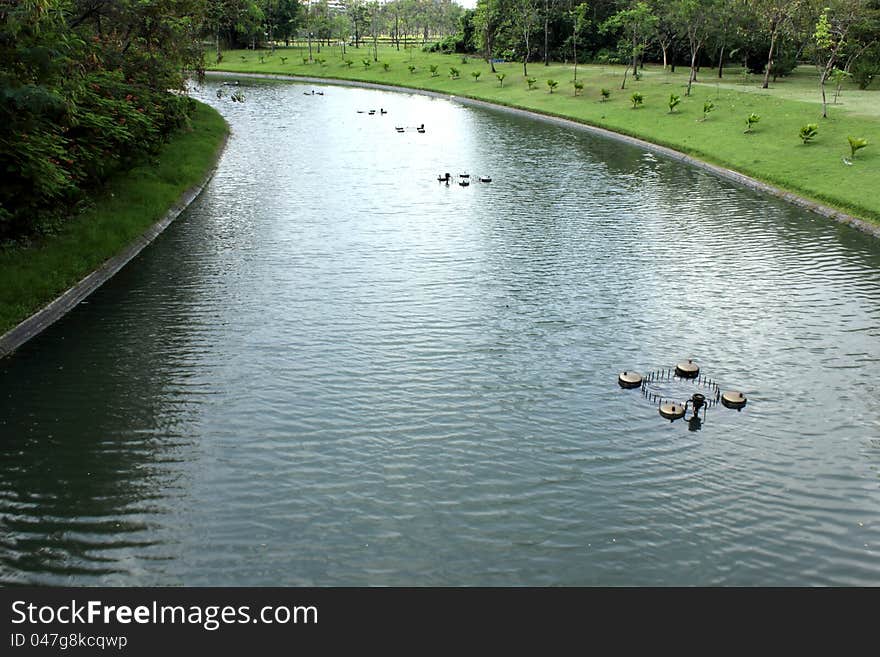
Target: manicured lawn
{"x": 773, "y": 152}
{"x": 130, "y": 203}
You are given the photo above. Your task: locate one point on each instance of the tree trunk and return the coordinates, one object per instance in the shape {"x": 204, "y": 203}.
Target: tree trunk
{"x": 663, "y": 48}
{"x": 546, "y": 34}
{"x": 635, "y": 60}
{"x": 721, "y": 63}
{"x": 489, "y": 58}
{"x": 623, "y": 84}
{"x": 766, "y": 83}
{"x": 693, "y": 74}
{"x": 822, "y": 79}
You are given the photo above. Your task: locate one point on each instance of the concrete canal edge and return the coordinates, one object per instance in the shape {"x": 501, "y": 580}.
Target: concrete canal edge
{"x": 721, "y": 172}
{"x": 55, "y": 310}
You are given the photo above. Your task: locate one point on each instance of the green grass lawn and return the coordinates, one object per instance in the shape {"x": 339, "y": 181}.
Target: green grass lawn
{"x": 773, "y": 152}
{"x": 128, "y": 205}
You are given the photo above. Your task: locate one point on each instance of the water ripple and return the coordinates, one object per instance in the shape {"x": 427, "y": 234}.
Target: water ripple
{"x": 333, "y": 370}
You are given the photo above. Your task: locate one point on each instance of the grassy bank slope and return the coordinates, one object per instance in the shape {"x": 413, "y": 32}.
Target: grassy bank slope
{"x": 130, "y": 203}
{"x": 773, "y": 152}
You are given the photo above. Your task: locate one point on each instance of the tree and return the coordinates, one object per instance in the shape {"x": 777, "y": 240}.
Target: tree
{"x": 665, "y": 29}
{"x": 696, "y": 18}
{"x": 358, "y": 14}
{"x": 637, "y": 25}
{"x": 525, "y": 18}
{"x": 835, "y": 35}
{"x": 579, "y": 19}
{"x": 776, "y": 17}
{"x": 488, "y": 17}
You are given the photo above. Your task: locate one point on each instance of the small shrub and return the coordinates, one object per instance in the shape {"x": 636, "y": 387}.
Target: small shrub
{"x": 531, "y": 82}
{"x": 751, "y": 120}
{"x": 674, "y": 100}
{"x": 476, "y": 75}
{"x": 283, "y": 60}
{"x": 321, "y": 61}
{"x": 464, "y": 60}
{"x": 386, "y": 66}
{"x": 637, "y": 100}
{"x": 578, "y": 86}
{"x": 808, "y": 131}
{"x": 454, "y": 73}
{"x": 305, "y": 60}
{"x": 606, "y": 93}
{"x": 552, "y": 84}
{"x": 348, "y": 62}
{"x": 501, "y": 77}
{"x": 412, "y": 69}
{"x": 856, "y": 143}
{"x": 433, "y": 68}
{"x": 708, "y": 106}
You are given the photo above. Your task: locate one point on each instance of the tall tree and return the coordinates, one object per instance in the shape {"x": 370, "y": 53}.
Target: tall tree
{"x": 696, "y": 18}
{"x": 488, "y": 19}
{"x": 579, "y": 15}
{"x": 775, "y": 17}
{"x": 837, "y": 33}
{"x": 525, "y": 19}
{"x": 637, "y": 25}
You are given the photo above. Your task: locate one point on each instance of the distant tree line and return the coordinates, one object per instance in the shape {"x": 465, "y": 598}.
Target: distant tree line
{"x": 766, "y": 37}
{"x": 267, "y": 23}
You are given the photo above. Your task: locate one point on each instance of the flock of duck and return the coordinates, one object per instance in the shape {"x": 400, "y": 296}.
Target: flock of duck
{"x": 464, "y": 179}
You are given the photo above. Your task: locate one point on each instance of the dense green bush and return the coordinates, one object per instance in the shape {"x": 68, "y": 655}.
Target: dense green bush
{"x": 864, "y": 70}
{"x": 78, "y": 104}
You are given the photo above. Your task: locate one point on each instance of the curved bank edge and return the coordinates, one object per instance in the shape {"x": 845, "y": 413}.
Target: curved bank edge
{"x": 48, "y": 315}
{"x": 722, "y": 172}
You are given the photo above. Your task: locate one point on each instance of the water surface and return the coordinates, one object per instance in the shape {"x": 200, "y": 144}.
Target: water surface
{"x": 333, "y": 370}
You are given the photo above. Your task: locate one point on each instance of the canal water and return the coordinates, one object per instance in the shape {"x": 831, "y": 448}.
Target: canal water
{"x": 334, "y": 370}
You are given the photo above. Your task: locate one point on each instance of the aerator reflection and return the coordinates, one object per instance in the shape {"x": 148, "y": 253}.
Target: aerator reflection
{"x": 666, "y": 387}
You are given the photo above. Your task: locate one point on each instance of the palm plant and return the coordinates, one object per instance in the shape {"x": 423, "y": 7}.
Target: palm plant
{"x": 578, "y": 86}
{"x": 637, "y": 99}
{"x": 606, "y": 93}
{"x": 476, "y": 75}
{"x": 856, "y": 143}
{"x": 751, "y": 121}
{"x": 808, "y": 131}
{"x": 454, "y": 72}
{"x": 674, "y": 100}
{"x": 552, "y": 84}
{"x": 531, "y": 82}
{"x": 501, "y": 77}
{"x": 412, "y": 69}
{"x": 708, "y": 106}
{"x": 433, "y": 68}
